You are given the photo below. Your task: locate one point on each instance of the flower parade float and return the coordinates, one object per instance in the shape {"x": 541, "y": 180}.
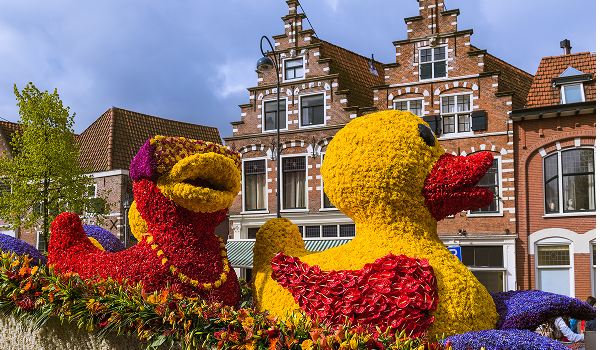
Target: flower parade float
{"x": 388, "y": 173}
{"x": 182, "y": 190}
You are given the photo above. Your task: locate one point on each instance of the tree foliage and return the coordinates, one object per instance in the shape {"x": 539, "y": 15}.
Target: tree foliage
{"x": 42, "y": 176}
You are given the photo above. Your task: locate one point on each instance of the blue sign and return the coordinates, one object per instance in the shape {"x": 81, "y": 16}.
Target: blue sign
{"x": 456, "y": 251}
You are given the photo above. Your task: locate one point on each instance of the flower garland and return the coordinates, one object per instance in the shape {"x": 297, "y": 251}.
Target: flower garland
{"x": 395, "y": 291}
{"x": 183, "y": 277}
{"x": 138, "y": 225}
{"x": 493, "y": 339}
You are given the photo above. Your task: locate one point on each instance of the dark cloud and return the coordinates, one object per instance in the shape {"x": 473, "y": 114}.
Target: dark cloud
{"x": 193, "y": 60}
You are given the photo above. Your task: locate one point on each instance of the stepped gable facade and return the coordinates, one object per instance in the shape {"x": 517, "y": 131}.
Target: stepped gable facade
{"x": 465, "y": 94}
{"x": 108, "y": 146}
{"x": 555, "y": 145}
{"x": 322, "y": 88}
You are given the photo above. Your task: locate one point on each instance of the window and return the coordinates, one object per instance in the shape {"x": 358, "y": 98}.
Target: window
{"x": 491, "y": 181}
{"x": 553, "y": 269}
{"x": 487, "y": 264}
{"x": 328, "y": 231}
{"x": 313, "y": 110}
{"x": 432, "y": 63}
{"x": 572, "y": 93}
{"x": 413, "y": 106}
{"x": 248, "y": 275}
{"x": 326, "y": 202}
{"x": 252, "y": 231}
{"x": 255, "y": 179}
{"x": 294, "y": 69}
{"x": 42, "y": 245}
{"x": 456, "y": 113}
{"x": 271, "y": 115}
{"x": 593, "y": 268}
{"x": 294, "y": 182}
{"x": 570, "y": 186}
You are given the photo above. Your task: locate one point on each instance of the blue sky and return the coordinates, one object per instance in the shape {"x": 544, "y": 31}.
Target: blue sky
{"x": 193, "y": 60}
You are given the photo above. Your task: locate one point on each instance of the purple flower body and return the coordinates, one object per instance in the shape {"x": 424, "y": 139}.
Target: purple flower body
{"x": 143, "y": 165}
{"x": 511, "y": 339}
{"x": 107, "y": 240}
{"x": 527, "y": 309}
{"x": 12, "y": 244}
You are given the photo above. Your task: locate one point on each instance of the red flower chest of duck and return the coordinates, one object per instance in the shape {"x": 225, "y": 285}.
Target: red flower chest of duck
{"x": 394, "y": 291}
{"x": 182, "y": 189}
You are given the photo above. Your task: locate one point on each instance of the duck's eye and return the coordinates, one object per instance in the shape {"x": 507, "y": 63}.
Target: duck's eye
{"x": 427, "y": 135}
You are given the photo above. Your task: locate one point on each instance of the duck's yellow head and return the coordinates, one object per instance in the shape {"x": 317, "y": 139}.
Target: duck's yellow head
{"x": 197, "y": 175}
{"x": 391, "y": 161}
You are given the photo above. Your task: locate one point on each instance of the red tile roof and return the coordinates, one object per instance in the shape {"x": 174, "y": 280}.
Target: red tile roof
{"x": 543, "y": 94}
{"x": 114, "y": 138}
{"x": 354, "y": 73}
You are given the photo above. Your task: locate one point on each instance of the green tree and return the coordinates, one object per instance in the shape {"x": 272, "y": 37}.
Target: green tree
{"x": 44, "y": 176}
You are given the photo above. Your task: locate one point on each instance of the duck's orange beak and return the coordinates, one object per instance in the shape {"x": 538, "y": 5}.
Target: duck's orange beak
{"x": 451, "y": 185}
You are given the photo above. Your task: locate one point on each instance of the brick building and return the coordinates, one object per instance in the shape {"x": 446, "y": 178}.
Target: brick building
{"x": 322, "y": 88}
{"x": 465, "y": 94}
{"x": 555, "y": 151}
{"x": 108, "y": 145}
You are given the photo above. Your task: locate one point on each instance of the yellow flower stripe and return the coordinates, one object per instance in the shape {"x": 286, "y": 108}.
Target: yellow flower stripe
{"x": 183, "y": 277}
{"x": 96, "y": 243}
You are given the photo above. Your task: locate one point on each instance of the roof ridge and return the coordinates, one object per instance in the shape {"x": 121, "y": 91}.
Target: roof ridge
{"x": 152, "y": 116}
{"x": 367, "y": 58}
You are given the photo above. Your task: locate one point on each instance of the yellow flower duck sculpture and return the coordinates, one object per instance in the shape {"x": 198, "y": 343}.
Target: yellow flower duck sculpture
{"x": 389, "y": 174}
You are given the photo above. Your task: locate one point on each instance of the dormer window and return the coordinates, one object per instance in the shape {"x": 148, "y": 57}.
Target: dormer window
{"x": 432, "y": 63}
{"x": 572, "y": 93}
{"x": 294, "y": 69}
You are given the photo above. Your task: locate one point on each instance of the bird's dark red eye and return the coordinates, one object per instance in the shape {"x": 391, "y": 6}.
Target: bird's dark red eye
{"x": 427, "y": 135}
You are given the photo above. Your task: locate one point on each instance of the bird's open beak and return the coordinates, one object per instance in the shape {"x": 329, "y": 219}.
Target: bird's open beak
{"x": 204, "y": 182}
{"x": 451, "y": 185}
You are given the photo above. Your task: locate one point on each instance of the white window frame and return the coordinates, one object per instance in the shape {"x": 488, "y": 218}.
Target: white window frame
{"x": 321, "y": 231}
{"x": 500, "y": 203}
{"x": 503, "y": 269}
{"x": 323, "y": 208}
{"x": 263, "y": 122}
{"x": 408, "y": 101}
{"x": 432, "y": 62}
{"x": 556, "y": 241}
{"x": 258, "y": 211}
{"x": 281, "y": 199}
{"x": 300, "y": 97}
{"x": 562, "y": 93}
{"x": 283, "y": 66}
{"x": 456, "y": 114}
{"x": 592, "y": 267}
{"x": 560, "y": 184}
{"x": 37, "y": 240}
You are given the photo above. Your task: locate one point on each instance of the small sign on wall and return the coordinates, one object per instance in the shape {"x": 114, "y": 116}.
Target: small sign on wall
{"x": 457, "y": 251}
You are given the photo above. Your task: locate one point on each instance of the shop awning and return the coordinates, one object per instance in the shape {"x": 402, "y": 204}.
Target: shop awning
{"x": 240, "y": 254}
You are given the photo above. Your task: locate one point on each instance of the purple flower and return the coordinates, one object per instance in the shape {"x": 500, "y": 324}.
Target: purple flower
{"x": 107, "y": 240}
{"x": 143, "y": 165}
{"x": 527, "y": 309}
{"x": 15, "y": 245}
{"x": 511, "y": 339}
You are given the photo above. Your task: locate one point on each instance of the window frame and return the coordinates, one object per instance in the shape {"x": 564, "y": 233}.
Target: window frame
{"x": 284, "y": 70}
{"x": 264, "y": 117}
{"x": 433, "y": 61}
{"x": 37, "y": 242}
{"x": 549, "y": 242}
{"x": 282, "y": 197}
{"x": 559, "y": 177}
{"x": 300, "y": 97}
{"x": 593, "y": 267}
{"x": 408, "y": 104}
{"x": 323, "y": 195}
{"x": 255, "y": 211}
{"x": 456, "y": 114}
{"x": 302, "y": 229}
{"x": 500, "y": 211}
{"x": 563, "y": 96}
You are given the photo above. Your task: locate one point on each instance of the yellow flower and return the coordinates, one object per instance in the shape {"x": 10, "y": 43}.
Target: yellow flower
{"x": 307, "y": 344}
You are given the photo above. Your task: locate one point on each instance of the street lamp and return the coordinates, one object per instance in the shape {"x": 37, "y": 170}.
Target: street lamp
{"x": 126, "y": 205}
{"x": 264, "y": 65}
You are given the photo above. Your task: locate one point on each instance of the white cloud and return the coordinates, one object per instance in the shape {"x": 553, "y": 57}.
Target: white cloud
{"x": 333, "y": 4}
{"x": 233, "y": 77}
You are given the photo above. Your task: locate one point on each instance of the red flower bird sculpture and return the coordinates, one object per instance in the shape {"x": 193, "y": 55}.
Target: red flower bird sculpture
{"x": 182, "y": 189}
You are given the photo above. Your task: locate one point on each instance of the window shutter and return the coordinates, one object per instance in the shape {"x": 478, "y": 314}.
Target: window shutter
{"x": 479, "y": 120}
{"x": 435, "y": 123}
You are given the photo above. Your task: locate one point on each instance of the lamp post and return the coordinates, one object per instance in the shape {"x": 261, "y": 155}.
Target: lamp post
{"x": 126, "y": 205}
{"x": 264, "y": 65}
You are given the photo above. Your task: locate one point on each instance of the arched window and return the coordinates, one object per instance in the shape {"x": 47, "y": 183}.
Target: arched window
{"x": 569, "y": 181}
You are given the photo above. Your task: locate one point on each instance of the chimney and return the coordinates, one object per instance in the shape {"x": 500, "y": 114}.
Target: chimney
{"x": 566, "y": 45}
